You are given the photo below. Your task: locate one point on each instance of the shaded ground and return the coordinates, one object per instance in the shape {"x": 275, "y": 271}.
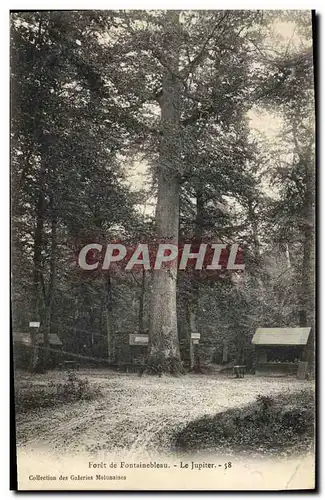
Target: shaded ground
{"x": 277, "y": 425}
{"x": 136, "y": 415}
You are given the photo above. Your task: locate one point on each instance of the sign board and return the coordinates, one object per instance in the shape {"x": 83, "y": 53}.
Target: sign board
{"x": 195, "y": 341}
{"x": 34, "y": 324}
{"x": 195, "y": 336}
{"x": 138, "y": 339}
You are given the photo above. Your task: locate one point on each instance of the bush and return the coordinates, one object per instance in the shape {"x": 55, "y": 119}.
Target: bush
{"x": 267, "y": 424}
{"x": 72, "y": 389}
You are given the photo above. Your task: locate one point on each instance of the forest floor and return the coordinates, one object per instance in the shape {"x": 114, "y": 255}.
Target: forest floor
{"x": 135, "y": 416}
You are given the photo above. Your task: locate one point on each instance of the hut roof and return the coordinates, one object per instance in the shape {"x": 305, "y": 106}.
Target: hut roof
{"x": 25, "y": 338}
{"x": 281, "y": 336}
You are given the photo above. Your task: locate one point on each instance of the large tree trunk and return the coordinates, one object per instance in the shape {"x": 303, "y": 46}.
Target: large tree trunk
{"x": 195, "y": 291}
{"x": 307, "y": 281}
{"x": 109, "y": 320}
{"x": 48, "y": 300}
{"x": 37, "y": 263}
{"x": 254, "y": 225}
{"x": 141, "y": 302}
{"x": 164, "y": 353}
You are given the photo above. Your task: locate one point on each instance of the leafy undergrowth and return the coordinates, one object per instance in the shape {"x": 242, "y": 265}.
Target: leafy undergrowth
{"x": 72, "y": 389}
{"x": 280, "y": 424}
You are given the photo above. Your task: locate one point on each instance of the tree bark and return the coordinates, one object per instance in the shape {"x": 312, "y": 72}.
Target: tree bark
{"x": 195, "y": 292}
{"x": 37, "y": 262}
{"x": 164, "y": 353}
{"x": 307, "y": 291}
{"x": 109, "y": 321}
{"x": 288, "y": 256}
{"x": 141, "y": 302}
{"x": 254, "y": 225}
{"x": 48, "y": 302}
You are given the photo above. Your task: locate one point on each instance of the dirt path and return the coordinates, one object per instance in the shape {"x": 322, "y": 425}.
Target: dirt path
{"x": 138, "y": 416}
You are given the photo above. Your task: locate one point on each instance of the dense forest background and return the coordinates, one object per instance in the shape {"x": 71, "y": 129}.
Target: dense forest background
{"x": 97, "y": 94}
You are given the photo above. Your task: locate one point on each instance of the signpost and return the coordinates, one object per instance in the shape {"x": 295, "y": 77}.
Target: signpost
{"x": 138, "y": 339}
{"x": 34, "y": 324}
{"x": 195, "y": 336}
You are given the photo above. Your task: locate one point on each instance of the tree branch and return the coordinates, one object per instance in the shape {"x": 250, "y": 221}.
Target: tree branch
{"x": 200, "y": 113}
{"x": 198, "y": 58}
{"x": 137, "y": 282}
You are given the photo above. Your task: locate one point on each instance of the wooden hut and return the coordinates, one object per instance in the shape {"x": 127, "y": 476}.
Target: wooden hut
{"x": 22, "y": 344}
{"x": 281, "y": 351}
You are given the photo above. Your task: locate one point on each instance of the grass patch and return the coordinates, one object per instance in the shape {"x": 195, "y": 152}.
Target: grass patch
{"x": 269, "y": 424}
{"x": 33, "y": 396}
